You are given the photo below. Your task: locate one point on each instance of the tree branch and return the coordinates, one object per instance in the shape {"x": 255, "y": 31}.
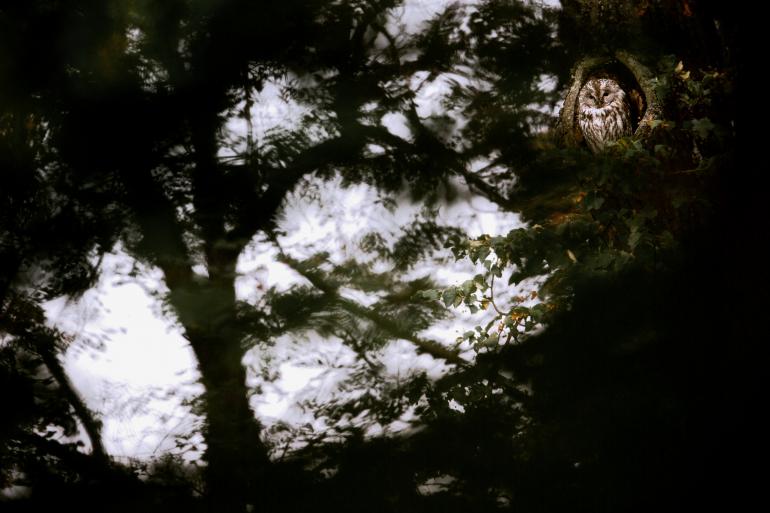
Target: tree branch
{"x": 25, "y": 320}
{"x": 430, "y": 347}
{"x": 91, "y": 424}
{"x": 84, "y": 464}
{"x": 260, "y": 214}
{"x": 162, "y": 236}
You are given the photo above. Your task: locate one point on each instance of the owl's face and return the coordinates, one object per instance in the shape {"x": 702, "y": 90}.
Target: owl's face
{"x": 599, "y": 94}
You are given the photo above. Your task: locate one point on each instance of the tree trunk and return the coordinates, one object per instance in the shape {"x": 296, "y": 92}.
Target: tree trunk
{"x": 625, "y": 39}
{"x": 236, "y": 457}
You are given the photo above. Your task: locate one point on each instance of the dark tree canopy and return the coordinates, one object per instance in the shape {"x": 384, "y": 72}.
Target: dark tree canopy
{"x": 620, "y": 382}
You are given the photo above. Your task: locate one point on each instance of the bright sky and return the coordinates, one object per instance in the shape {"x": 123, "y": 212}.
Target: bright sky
{"x": 131, "y": 363}
{"x": 139, "y": 377}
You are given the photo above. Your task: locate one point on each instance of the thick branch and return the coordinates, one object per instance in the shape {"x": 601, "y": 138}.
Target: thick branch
{"x": 211, "y": 199}
{"x": 162, "y": 235}
{"x": 75, "y": 460}
{"x": 91, "y": 424}
{"x": 471, "y": 178}
{"x": 261, "y": 212}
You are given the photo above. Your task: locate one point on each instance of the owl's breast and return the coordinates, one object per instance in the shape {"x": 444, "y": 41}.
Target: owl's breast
{"x": 595, "y": 113}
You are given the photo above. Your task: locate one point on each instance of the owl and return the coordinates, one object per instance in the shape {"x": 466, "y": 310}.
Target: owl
{"x": 603, "y": 113}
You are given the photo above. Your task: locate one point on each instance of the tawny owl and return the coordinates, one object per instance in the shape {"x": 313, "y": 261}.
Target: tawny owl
{"x": 603, "y": 113}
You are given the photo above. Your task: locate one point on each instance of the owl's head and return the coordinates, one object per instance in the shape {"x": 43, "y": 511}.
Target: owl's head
{"x": 601, "y": 93}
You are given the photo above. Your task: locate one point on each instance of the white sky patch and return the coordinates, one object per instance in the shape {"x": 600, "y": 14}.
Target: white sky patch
{"x": 398, "y": 125}
{"x": 454, "y": 405}
{"x": 435, "y": 484}
{"x": 317, "y": 226}
{"x": 401, "y": 359}
{"x": 359, "y": 296}
{"x": 302, "y": 367}
{"x": 432, "y": 90}
{"x": 337, "y": 223}
{"x": 131, "y": 364}
{"x": 270, "y": 110}
{"x": 283, "y": 394}
{"x": 414, "y": 13}
{"x": 547, "y": 83}
{"x": 143, "y": 347}
{"x": 476, "y": 214}
{"x": 258, "y": 270}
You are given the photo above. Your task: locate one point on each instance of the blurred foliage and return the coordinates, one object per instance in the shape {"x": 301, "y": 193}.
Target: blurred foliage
{"x": 603, "y": 376}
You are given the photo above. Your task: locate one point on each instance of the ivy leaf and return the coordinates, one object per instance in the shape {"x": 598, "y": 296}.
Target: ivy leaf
{"x": 449, "y": 296}
{"x": 429, "y": 295}
{"x": 592, "y": 201}
{"x": 634, "y": 238}
{"x": 702, "y": 127}
{"x": 680, "y": 72}
{"x": 538, "y": 312}
{"x": 603, "y": 261}
{"x": 491, "y": 340}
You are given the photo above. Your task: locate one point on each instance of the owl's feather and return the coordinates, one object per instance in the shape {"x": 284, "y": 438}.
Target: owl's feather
{"x": 603, "y": 114}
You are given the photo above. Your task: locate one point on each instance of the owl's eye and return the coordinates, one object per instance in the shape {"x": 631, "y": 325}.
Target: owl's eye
{"x": 605, "y": 94}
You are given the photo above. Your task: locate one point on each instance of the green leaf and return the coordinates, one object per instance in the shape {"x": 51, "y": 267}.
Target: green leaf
{"x": 702, "y": 127}
{"x": 429, "y": 295}
{"x": 449, "y": 296}
{"x": 492, "y": 340}
{"x": 592, "y": 201}
{"x": 634, "y": 238}
{"x": 538, "y": 312}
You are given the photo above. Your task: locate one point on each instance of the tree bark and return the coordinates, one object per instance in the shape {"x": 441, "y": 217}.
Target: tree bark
{"x": 236, "y": 457}
{"x": 91, "y": 424}
{"x": 206, "y": 308}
